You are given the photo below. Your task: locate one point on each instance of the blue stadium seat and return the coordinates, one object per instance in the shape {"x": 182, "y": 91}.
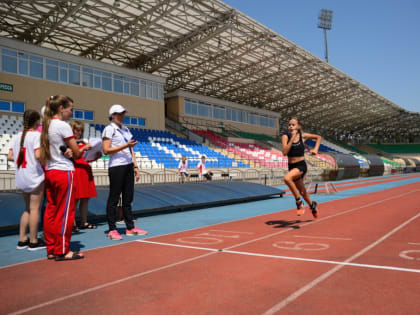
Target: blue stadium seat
{"x": 150, "y": 140}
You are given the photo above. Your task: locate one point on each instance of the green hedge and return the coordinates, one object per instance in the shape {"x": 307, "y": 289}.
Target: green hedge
{"x": 350, "y": 147}
{"x": 255, "y": 136}
{"x": 397, "y": 148}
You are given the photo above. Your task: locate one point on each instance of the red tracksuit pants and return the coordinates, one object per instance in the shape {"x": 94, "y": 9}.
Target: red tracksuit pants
{"x": 60, "y": 211}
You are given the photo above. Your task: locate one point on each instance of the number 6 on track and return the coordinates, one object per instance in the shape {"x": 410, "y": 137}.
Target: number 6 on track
{"x": 301, "y": 246}
{"x": 406, "y": 254}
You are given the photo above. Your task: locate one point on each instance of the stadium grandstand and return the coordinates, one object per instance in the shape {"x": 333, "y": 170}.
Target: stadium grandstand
{"x": 198, "y": 78}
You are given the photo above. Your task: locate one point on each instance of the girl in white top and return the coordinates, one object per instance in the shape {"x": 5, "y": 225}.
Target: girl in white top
{"x": 182, "y": 169}
{"x": 203, "y": 170}
{"x": 57, "y": 138}
{"x": 29, "y": 178}
{"x": 118, "y": 143}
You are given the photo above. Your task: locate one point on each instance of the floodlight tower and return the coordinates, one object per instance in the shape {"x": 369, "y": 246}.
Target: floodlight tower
{"x": 324, "y": 22}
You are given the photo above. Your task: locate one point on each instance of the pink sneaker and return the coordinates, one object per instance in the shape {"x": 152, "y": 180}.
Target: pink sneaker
{"x": 114, "y": 235}
{"x": 135, "y": 231}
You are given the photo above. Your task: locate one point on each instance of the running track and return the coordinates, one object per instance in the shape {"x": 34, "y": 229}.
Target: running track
{"x": 361, "y": 256}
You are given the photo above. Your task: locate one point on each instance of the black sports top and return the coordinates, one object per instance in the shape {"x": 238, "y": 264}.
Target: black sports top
{"x": 297, "y": 148}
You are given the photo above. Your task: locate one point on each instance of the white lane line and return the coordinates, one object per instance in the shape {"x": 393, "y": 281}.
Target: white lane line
{"x": 324, "y": 276}
{"x": 198, "y": 257}
{"x": 320, "y": 220}
{"x": 177, "y": 245}
{"x": 250, "y": 233}
{"x": 413, "y": 243}
{"x": 331, "y": 262}
{"x": 272, "y": 213}
{"x": 201, "y": 227}
{"x": 108, "y": 284}
{"x": 325, "y": 237}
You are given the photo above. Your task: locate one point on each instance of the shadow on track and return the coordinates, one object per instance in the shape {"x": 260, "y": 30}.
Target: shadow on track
{"x": 286, "y": 224}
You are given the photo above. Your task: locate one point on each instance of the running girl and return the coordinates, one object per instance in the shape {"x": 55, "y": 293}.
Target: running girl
{"x": 293, "y": 146}
{"x": 29, "y": 178}
{"x": 59, "y": 177}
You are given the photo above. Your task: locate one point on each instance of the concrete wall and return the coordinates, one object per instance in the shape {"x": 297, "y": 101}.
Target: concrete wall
{"x": 34, "y": 92}
{"x": 175, "y": 106}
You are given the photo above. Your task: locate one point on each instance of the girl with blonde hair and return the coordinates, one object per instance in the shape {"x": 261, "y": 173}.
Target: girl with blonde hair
{"x": 85, "y": 184}
{"x": 293, "y": 146}
{"x": 56, "y": 139}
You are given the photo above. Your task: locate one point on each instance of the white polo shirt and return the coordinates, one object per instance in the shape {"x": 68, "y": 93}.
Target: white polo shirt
{"x": 30, "y": 174}
{"x": 59, "y": 131}
{"x": 119, "y": 136}
{"x": 182, "y": 167}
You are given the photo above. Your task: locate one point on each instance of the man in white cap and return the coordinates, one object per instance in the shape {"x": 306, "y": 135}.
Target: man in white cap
{"x": 117, "y": 142}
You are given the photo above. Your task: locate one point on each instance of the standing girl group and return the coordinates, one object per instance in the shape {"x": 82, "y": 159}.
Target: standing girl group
{"x": 58, "y": 152}
{"x": 47, "y": 158}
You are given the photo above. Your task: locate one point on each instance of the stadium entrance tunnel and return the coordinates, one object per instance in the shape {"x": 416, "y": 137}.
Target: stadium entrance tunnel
{"x": 347, "y": 167}
{"x": 376, "y": 165}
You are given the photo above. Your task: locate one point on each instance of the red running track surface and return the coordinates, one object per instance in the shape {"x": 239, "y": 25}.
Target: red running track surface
{"x": 362, "y": 256}
{"x": 340, "y": 186}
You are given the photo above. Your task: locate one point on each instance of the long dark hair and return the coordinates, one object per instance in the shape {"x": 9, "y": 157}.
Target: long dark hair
{"x": 30, "y": 117}
{"x": 51, "y": 108}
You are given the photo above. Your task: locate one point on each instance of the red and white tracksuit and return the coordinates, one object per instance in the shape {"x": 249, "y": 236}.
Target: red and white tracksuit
{"x": 59, "y": 186}
{"x": 60, "y": 211}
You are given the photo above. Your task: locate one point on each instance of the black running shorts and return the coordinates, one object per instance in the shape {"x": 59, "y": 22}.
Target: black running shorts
{"x": 301, "y": 166}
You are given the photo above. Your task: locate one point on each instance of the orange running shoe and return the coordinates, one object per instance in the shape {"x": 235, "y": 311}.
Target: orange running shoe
{"x": 300, "y": 209}
{"x": 314, "y": 209}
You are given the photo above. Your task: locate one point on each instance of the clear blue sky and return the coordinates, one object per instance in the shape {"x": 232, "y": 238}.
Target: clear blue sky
{"x": 377, "y": 42}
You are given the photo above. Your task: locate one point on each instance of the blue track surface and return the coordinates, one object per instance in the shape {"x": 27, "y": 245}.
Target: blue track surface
{"x": 166, "y": 223}
{"x": 155, "y": 197}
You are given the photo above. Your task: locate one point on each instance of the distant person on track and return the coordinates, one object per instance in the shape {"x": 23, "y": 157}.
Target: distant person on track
{"x": 203, "y": 169}
{"x": 183, "y": 168}
{"x": 122, "y": 168}
{"x": 29, "y": 178}
{"x": 293, "y": 146}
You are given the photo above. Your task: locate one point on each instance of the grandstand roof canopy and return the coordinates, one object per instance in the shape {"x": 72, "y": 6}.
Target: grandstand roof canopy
{"x": 209, "y": 48}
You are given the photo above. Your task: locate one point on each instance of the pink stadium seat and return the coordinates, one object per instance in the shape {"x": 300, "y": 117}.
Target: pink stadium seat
{"x": 248, "y": 151}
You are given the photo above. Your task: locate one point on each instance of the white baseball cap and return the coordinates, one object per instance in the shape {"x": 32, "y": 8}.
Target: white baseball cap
{"x": 117, "y": 109}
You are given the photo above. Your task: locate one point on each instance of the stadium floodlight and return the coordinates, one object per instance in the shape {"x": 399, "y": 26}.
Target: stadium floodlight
{"x": 324, "y": 22}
